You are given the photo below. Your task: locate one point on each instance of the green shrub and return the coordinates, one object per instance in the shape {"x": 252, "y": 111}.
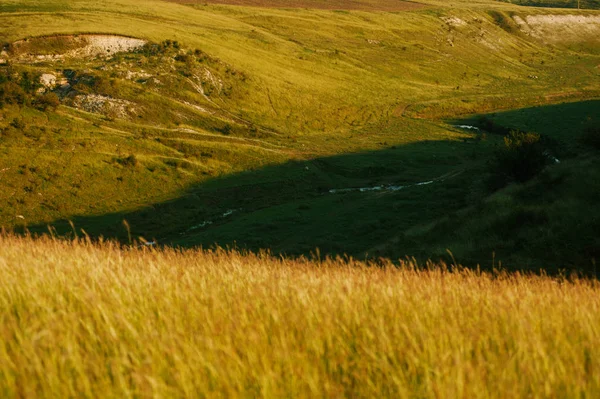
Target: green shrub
{"x": 48, "y": 100}
{"x": 16, "y": 88}
{"x": 522, "y": 157}
{"x": 226, "y": 129}
{"x": 12, "y": 93}
{"x": 186, "y": 58}
{"x": 489, "y": 125}
{"x": 129, "y": 161}
{"x": 178, "y": 163}
{"x": 18, "y": 123}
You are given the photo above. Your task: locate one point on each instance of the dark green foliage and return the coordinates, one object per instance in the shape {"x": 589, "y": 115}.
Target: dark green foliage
{"x": 154, "y": 49}
{"x": 591, "y": 135}
{"x": 18, "y": 124}
{"x": 226, "y": 129}
{"x": 489, "y": 125}
{"x": 200, "y": 55}
{"x": 187, "y": 58}
{"x": 504, "y": 21}
{"x": 178, "y": 163}
{"x": 522, "y": 157}
{"x": 17, "y": 88}
{"x": 48, "y": 100}
{"x": 11, "y": 93}
{"x": 509, "y": 225}
{"x": 91, "y": 83}
{"x": 102, "y": 85}
{"x": 29, "y": 82}
{"x": 129, "y": 161}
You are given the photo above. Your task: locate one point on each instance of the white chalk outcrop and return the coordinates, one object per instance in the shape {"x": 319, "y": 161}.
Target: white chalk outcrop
{"x": 73, "y": 46}
{"x": 561, "y": 28}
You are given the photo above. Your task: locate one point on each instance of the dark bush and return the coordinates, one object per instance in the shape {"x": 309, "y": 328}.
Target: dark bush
{"x": 12, "y": 93}
{"x": 18, "y": 123}
{"x": 179, "y": 163}
{"x": 103, "y": 86}
{"x": 48, "y": 100}
{"x": 186, "y": 58}
{"x": 129, "y": 161}
{"x": 522, "y": 157}
{"x": 29, "y": 82}
{"x": 88, "y": 83}
{"x": 226, "y": 129}
{"x": 489, "y": 125}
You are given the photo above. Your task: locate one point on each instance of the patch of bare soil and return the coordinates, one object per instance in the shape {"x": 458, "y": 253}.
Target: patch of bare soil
{"x": 99, "y": 104}
{"x": 363, "y": 5}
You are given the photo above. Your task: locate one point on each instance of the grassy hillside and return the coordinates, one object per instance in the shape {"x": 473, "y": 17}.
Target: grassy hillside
{"x": 85, "y": 320}
{"x": 540, "y": 221}
{"x": 581, "y": 4}
{"x": 232, "y": 124}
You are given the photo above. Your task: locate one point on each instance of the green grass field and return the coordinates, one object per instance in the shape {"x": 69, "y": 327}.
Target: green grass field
{"x": 234, "y": 123}
{"x": 581, "y": 4}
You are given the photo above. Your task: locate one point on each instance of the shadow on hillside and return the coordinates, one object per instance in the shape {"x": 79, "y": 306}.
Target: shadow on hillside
{"x": 563, "y": 122}
{"x": 289, "y": 208}
{"x": 418, "y": 200}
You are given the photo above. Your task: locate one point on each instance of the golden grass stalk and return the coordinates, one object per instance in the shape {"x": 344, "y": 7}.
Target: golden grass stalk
{"x": 79, "y": 319}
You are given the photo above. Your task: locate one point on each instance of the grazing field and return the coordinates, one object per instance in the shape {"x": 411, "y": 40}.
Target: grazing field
{"x": 293, "y": 126}
{"x": 96, "y": 320}
{"x": 364, "y": 5}
{"x": 580, "y": 4}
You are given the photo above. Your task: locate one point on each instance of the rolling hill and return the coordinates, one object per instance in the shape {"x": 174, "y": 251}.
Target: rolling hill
{"x": 301, "y": 125}
{"x": 299, "y": 198}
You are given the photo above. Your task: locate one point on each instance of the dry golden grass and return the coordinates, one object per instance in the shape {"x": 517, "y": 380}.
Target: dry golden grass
{"x": 93, "y": 320}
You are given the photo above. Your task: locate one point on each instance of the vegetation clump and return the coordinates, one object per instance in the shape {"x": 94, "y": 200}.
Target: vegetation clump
{"x": 17, "y": 87}
{"x": 522, "y": 157}
{"x": 48, "y": 101}
{"x": 489, "y": 125}
{"x": 128, "y": 161}
{"x": 503, "y": 21}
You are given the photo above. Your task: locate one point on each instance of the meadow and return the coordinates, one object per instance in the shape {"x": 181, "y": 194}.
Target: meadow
{"x": 236, "y": 121}
{"x": 103, "y": 320}
{"x": 408, "y": 194}
{"x": 579, "y": 4}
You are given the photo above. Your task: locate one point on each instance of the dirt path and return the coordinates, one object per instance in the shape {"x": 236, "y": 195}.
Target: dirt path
{"x": 246, "y": 142}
